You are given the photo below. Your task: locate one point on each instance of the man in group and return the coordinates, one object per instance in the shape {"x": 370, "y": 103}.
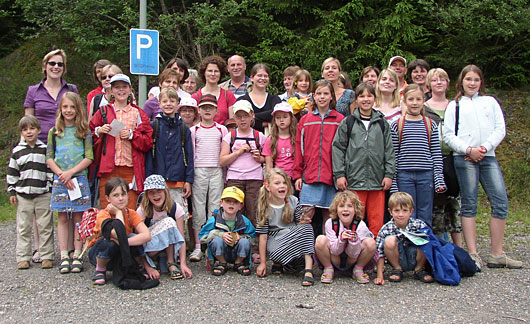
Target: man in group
{"x": 238, "y": 83}
{"x": 399, "y": 65}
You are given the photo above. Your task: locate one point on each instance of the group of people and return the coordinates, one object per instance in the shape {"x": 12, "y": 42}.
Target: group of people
{"x": 235, "y": 161}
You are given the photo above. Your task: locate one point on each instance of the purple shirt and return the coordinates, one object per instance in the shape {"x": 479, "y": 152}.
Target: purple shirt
{"x": 45, "y": 106}
{"x": 152, "y": 108}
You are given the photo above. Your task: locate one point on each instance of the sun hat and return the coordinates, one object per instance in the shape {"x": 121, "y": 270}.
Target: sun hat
{"x": 154, "y": 181}
{"x": 120, "y": 77}
{"x": 283, "y": 107}
{"x": 187, "y": 102}
{"x": 242, "y": 105}
{"x": 233, "y": 192}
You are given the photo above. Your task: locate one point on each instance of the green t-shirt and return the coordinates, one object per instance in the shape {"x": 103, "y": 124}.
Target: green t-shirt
{"x": 231, "y": 223}
{"x": 69, "y": 150}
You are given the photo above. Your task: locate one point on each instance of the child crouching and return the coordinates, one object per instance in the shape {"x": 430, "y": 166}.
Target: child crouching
{"x": 229, "y": 234}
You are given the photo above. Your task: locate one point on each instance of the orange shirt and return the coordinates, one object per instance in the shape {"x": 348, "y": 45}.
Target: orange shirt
{"x": 130, "y": 217}
{"x": 129, "y": 116}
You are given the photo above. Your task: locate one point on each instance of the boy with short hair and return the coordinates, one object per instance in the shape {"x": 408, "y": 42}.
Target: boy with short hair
{"x": 206, "y": 138}
{"x": 229, "y": 234}
{"x": 29, "y": 181}
{"x": 399, "y": 65}
{"x": 401, "y": 253}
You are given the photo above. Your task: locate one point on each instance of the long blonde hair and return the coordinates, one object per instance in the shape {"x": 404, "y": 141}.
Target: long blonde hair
{"x": 275, "y": 131}
{"x": 264, "y": 194}
{"x": 81, "y": 123}
{"x": 148, "y": 207}
{"x": 395, "y": 94}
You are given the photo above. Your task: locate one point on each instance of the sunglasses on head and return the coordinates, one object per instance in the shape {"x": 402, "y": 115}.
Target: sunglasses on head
{"x": 53, "y": 63}
{"x": 104, "y": 77}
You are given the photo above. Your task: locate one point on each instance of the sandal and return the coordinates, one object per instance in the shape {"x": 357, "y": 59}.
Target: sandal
{"x": 36, "y": 257}
{"x": 327, "y": 275}
{"x": 64, "y": 266}
{"x": 360, "y": 276}
{"x": 277, "y": 269}
{"x": 398, "y": 273}
{"x": 219, "y": 269}
{"x": 77, "y": 265}
{"x": 242, "y": 269}
{"x": 174, "y": 274}
{"x": 99, "y": 278}
{"x": 423, "y": 276}
{"x": 308, "y": 280}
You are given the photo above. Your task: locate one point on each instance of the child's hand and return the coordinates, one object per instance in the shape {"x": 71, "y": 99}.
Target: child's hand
{"x": 13, "y": 200}
{"x": 187, "y": 190}
{"x": 186, "y": 271}
{"x": 66, "y": 176}
{"x": 298, "y": 184}
{"x": 256, "y": 154}
{"x": 379, "y": 281}
{"x": 261, "y": 270}
{"x": 227, "y": 238}
{"x": 348, "y": 235}
{"x": 105, "y": 129}
{"x": 387, "y": 183}
{"x": 440, "y": 189}
{"x": 152, "y": 273}
{"x": 342, "y": 183}
{"x": 243, "y": 149}
{"x": 307, "y": 215}
{"x": 113, "y": 210}
{"x": 125, "y": 134}
{"x": 70, "y": 185}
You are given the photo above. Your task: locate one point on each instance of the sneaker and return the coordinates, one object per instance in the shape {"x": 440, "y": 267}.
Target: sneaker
{"x": 504, "y": 261}
{"x": 23, "y": 265}
{"x": 47, "y": 264}
{"x": 477, "y": 259}
{"x": 196, "y": 255}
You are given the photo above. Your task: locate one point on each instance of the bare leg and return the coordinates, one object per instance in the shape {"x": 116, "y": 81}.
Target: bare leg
{"x": 497, "y": 227}
{"x": 457, "y": 239}
{"x": 62, "y": 232}
{"x": 367, "y": 252}
{"x": 392, "y": 252}
{"x": 469, "y": 227}
{"x": 322, "y": 250}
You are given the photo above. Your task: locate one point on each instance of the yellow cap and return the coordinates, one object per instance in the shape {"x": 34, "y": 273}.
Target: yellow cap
{"x": 233, "y": 192}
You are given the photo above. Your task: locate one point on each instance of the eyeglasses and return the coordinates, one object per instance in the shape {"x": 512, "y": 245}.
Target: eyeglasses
{"x": 105, "y": 77}
{"x": 53, "y": 63}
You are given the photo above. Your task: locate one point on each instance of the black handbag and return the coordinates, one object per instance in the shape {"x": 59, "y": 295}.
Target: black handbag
{"x": 451, "y": 181}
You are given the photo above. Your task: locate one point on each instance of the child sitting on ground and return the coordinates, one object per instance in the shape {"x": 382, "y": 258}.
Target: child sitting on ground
{"x": 229, "y": 234}
{"x": 348, "y": 243}
{"x": 391, "y": 243}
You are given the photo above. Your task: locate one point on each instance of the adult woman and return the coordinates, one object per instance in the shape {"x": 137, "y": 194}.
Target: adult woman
{"x": 211, "y": 70}
{"x": 181, "y": 67}
{"x": 42, "y": 98}
{"x": 103, "y": 98}
{"x": 192, "y": 83}
{"x": 370, "y": 75}
{"x": 387, "y": 95}
{"x": 446, "y": 207}
{"x": 262, "y": 102}
{"x": 417, "y": 71}
{"x": 331, "y": 71}
{"x": 480, "y": 130}
{"x": 96, "y": 73}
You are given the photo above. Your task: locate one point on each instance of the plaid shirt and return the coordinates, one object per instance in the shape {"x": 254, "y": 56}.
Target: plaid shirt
{"x": 390, "y": 229}
{"x": 130, "y": 118}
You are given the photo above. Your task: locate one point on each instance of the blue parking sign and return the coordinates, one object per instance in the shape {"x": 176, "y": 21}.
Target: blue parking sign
{"x": 144, "y": 51}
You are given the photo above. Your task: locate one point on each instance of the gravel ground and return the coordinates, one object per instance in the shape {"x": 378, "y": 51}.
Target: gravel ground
{"x": 45, "y": 296}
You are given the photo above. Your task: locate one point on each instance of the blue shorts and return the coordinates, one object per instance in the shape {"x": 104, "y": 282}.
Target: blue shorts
{"x": 319, "y": 194}
{"x": 407, "y": 255}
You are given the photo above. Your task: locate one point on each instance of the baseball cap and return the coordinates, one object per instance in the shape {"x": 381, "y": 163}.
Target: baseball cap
{"x": 154, "y": 181}
{"x": 208, "y": 99}
{"x": 120, "y": 77}
{"x": 233, "y": 192}
{"x": 242, "y": 105}
{"x": 230, "y": 122}
{"x": 187, "y": 102}
{"x": 284, "y": 107}
{"x": 397, "y": 57}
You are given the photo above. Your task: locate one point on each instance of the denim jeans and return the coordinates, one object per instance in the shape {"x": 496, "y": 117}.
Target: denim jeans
{"x": 420, "y": 185}
{"x": 242, "y": 249}
{"x": 104, "y": 249}
{"x": 489, "y": 174}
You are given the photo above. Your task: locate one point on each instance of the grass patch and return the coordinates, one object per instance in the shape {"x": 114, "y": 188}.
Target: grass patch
{"x": 7, "y": 212}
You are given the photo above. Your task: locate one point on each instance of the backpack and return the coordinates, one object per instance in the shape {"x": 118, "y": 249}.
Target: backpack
{"x": 428, "y": 127}
{"x": 255, "y": 138}
{"x": 97, "y": 100}
{"x": 350, "y": 120}
{"x": 353, "y": 225}
{"x": 86, "y": 227}
{"x": 156, "y": 132}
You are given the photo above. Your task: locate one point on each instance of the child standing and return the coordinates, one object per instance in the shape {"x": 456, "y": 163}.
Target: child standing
{"x": 165, "y": 220}
{"x": 105, "y": 250}
{"x": 29, "y": 182}
{"x": 68, "y": 155}
{"x": 279, "y": 147}
{"x": 241, "y": 152}
{"x": 418, "y": 155}
{"x": 229, "y": 234}
{"x": 188, "y": 112}
{"x": 347, "y": 243}
{"x": 312, "y": 163}
{"x": 288, "y": 240}
{"x": 122, "y": 155}
{"x": 391, "y": 243}
{"x": 363, "y": 156}
{"x": 206, "y": 138}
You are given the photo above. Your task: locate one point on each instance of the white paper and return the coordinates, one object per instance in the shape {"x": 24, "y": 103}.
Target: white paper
{"x": 115, "y": 127}
{"x": 415, "y": 238}
{"x": 76, "y": 192}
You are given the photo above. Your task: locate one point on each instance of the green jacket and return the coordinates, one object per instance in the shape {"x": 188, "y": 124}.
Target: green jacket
{"x": 367, "y": 156}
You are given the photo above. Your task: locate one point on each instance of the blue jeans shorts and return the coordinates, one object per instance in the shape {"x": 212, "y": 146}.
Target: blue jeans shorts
{"x": 407, "y": 255}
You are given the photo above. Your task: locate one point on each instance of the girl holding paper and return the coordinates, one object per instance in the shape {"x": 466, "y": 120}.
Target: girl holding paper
{"x": 122, "y": 155}
{"x": 68, "y": 155}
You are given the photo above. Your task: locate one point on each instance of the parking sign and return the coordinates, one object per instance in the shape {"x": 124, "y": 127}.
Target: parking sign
{"x": 144, "y": 51}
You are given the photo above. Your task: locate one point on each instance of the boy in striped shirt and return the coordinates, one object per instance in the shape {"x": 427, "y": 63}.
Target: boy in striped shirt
{"x": 29, "y": 182}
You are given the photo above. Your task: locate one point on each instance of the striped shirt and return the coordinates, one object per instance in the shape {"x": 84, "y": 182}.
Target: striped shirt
{"x": 390, "y": 229}
{"x": 28, "y": 174}
{"x": 130, "y": 117}
{"x": 414, "y": 152}
{"x": 207, "y": 144}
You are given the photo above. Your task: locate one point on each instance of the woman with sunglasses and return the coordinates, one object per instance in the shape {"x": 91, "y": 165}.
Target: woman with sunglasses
{"x": 96, "y": 74}
{"x": 103, "y": 99}
{"x": 42, "y": 98}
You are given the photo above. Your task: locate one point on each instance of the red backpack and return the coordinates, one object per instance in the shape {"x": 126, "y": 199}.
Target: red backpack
{"x": 86, "y": 227}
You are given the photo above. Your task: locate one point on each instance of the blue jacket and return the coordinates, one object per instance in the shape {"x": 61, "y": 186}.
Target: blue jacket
{"x": 216, "y": 227}
{"x": 168, "y": 161}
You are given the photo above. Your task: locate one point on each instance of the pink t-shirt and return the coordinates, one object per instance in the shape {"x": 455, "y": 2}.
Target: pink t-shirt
{"x": 226, "y": 100}
{"x": 158, "y": 215}
{"x": 245, "y": 167}
{"x": 284, "y": 154}
{"x": 207, "y": 144}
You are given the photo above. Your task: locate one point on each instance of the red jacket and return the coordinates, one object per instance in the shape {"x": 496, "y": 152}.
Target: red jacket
{"x": 141, "y": 142}
{"x": 314, "y": 138}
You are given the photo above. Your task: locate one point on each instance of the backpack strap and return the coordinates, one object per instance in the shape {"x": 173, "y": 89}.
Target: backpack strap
{"x": 457, "y": 117}
{"x": 400, "y": 125}
{"x": 428, "y": 127}
{"x": 103, "y": 112}
{"x": 256, "y": 139}
{"x": 173, "y": 211}
{"x": 232, "y": 139}
{"x": 336, "y": 226}
{"x": 54, "y": 140}
{"x": 349, "y": 123}
{"x": 156, "y": 131}
{"x": 97, "y": 100}
{"x": 183, "y": 142}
